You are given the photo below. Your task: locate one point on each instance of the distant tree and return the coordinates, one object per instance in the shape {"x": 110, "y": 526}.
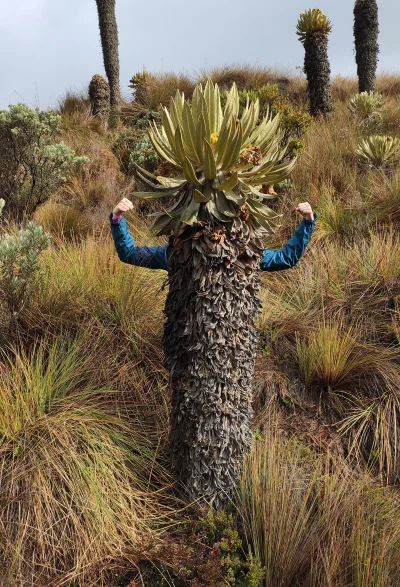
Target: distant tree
{"x": 366, "y": 31}
{"x": 109, "y": 42}
{"x": 313, "y": 29}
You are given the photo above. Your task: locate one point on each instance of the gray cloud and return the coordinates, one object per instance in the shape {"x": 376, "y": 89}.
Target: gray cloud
{"x": 55, "y": 46}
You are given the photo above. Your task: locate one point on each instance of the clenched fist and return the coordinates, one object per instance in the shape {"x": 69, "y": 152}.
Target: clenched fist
{"x": 305, "y": 210}
{"x": 123, "y": 206}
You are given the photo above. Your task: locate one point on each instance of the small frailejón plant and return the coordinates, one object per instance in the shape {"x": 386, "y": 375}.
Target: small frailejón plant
{"x": 313, "y": 29}
{"x": 99, "y": 94}
{"x": 378, "y": 151}
{"x": 366, "y": 106}
{"x": 19, "y": 264}
{"x": 215, "y": 223}
{"x": 366, "y": 31}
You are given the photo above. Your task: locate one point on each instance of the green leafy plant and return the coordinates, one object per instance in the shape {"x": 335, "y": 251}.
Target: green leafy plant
{"x": 209, "y": 552}
{"x": 143, "y": 154}
{"x": 366, "y": 105}
{"x": 312, "y": 20}
{"x": 19, "y": 265}
{"x": 377, "y": 150}
{"x": 34, "y": 165}
{"x": 222, "y": 161}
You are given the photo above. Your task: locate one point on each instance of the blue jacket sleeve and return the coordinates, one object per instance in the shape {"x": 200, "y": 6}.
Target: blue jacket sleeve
{"x": 150, "y": 257}
{"x": 293, "y": 250}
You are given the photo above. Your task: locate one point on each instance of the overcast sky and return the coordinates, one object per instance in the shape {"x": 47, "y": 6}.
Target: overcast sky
{"x": 49, "y": 46}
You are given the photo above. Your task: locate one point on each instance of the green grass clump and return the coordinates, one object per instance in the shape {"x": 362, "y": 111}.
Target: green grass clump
{"x": 79, "y": 487}
{"x": 311, "y": 522}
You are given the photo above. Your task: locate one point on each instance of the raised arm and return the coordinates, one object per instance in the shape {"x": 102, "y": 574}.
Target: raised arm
{"x": 292, "y": 252}
{"x": 150, "y": 257}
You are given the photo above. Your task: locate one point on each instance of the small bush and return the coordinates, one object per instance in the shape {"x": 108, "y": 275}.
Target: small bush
{"x": 19, "y": 265}
{"x": 143, "y": 154}
{"x": 209, "y": 552}
{"x": 33, "y": 164}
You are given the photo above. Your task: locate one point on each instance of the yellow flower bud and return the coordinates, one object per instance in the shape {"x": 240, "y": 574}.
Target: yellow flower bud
{"x": 214, "y": 138}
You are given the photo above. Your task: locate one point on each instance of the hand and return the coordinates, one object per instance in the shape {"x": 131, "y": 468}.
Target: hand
{"x": 123, "y": 206}
{"x": 306, "y": 211}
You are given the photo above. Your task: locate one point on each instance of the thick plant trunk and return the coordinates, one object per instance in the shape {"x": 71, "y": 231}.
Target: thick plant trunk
{"x": 109, "y": 42}
{"x": 318, "y": 72}
{"x": 366, "y": 31}
{"x": 210, "y": 344}
{"x": 99, "y": 95}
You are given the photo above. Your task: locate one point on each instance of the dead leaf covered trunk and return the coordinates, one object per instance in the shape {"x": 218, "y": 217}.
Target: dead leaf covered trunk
{"x": 210, "y": 344}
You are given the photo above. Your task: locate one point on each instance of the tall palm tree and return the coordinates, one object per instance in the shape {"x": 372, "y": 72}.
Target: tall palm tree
{"x": 109, "y": 42}
{"x": 313, "y": 29}
{"x": 366, "y": 31}
{"x": 215, "y": 224}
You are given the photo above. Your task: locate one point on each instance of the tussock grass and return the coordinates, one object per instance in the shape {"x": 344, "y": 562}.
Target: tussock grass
{"x": 157, "y": 88}
{"x": 334, "y": 356}
{"x": 73, "y": 102}
{"x": 313, "y": 525}
{"x": 329, "y": 158}
{"x": 63, "y": 222}
{"x": 333, "y": 323}
{"x": 79, "y": 487}
{"x": 388, "y": 83}
{"x": 85, "y": 283}
{"x": 246, "y": 76}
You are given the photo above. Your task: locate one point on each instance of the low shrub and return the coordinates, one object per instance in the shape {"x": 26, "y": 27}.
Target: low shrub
{"x": 34, "y": 165}
{"x": 19, "y": 267}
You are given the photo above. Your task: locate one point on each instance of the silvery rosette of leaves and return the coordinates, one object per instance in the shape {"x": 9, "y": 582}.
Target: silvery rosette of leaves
{"x": 222, "y": 164}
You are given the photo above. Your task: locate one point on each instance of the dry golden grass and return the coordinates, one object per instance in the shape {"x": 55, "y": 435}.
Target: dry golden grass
{"x": 85, "y": 281}
{"x": 312, "y": 522}
{"x": 245, "y": 76}
{"x": 79, "y": 488}
{"x": 388, "y": 84}
{"x": 63, "y": 222}
{"x": 72, "y": 103}
{"x": 157, "y": 88}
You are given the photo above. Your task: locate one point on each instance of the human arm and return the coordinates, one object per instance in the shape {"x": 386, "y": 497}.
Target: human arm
{"x": 128, "y": 252}
{"x": 292, "y": 252}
